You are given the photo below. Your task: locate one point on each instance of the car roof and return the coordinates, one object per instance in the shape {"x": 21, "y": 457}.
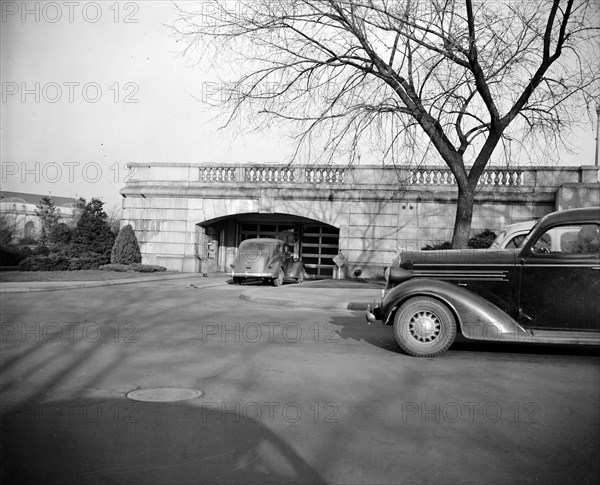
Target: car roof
{"x": 520, "y": 226}
{"x": 267, "y": 240}
{"x": 572, "y": 215}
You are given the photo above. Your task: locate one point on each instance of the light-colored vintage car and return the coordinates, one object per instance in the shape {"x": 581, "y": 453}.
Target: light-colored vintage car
{"x": 266, "y": 259}
{"x": 548, "y": 291}
{"x": 513, "y": 235}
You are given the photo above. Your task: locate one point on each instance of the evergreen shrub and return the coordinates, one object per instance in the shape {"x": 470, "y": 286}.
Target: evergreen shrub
{"x": 482, "y": 240}
{"x": 135, "y": 267}
{"x": 126, "y": 249}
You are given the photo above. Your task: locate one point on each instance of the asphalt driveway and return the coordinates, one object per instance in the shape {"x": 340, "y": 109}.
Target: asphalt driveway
{"x": 287, "y": 396}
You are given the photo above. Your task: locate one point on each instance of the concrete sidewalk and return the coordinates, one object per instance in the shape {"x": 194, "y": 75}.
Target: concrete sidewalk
{"x": 34, "y": 286}
{"x": 303, "y": 296}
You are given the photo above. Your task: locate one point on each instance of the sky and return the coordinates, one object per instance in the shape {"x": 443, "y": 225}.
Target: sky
{"x": 88, "y": 87}
{"x": 91, "y": 86}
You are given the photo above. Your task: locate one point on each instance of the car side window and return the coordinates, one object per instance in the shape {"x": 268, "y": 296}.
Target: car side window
{"x": 587, "y": 240}
{"x": 581, "y": 239}
{"x": 543, "y": 244}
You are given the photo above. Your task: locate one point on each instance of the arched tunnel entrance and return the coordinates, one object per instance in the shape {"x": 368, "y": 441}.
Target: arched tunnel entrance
{"x": 313, "y": 241}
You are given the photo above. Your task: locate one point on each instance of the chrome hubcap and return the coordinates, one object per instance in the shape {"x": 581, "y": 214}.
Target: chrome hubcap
{"x": 424, "y": 326}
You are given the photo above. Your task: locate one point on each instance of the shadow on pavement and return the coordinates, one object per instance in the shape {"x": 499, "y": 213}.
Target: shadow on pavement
{"x": 382, "y": 336}
{"x": 354, "y": 327}
{"x": 122, "y": 441}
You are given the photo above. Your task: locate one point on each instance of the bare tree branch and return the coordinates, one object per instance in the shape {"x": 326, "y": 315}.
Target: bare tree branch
{"x": 467, "y": 77}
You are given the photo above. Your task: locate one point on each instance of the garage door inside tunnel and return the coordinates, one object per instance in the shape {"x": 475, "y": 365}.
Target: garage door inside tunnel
{"x": 315, "y": 242}
{"x": 320, "y": 244}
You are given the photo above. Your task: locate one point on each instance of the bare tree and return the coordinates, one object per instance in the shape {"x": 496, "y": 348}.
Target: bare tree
{"x": 465, "y": 77}
{"x": 115, "y": 215}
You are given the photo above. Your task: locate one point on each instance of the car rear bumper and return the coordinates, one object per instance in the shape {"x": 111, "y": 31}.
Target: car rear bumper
{"x": 251, "y": 275}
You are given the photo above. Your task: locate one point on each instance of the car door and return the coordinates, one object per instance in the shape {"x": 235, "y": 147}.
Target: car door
{"x": 560, "y": 279}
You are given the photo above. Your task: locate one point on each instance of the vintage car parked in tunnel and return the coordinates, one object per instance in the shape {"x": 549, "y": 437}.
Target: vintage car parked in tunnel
{"x": 548, "y": 291}
{"x": 266, "y": 259}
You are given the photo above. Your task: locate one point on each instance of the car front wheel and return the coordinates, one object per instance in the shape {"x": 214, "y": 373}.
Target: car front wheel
{"x": 424, "y": 327}
{"x": 278, "y": 281}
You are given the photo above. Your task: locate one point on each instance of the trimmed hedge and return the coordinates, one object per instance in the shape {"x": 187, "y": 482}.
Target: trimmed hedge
{"x": 52, "y": 262}
{"x": 148, "y": 268}
{"x": 135, "y": 267}
{"x": 121, "y": 268}
{"x": 88, "y": 261}
{"x": 63, "y": 262}
{"x": 438, "y": 246}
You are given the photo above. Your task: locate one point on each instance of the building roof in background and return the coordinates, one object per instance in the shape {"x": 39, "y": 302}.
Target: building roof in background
{"x": 23, "y": 198}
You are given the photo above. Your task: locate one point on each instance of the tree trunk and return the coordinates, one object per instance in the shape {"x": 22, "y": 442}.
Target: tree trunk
{"x": 464, "y": 215}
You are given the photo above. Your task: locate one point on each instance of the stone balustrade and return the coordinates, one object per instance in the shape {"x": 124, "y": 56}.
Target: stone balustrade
{"x": 271, "y": 174}
{"x": 494, "y": 177}
{"x": 336, "y": 175}
{"x": 218, "y": 174}
{"x": 354, "y": 176}
{"x": 331, "y": 175}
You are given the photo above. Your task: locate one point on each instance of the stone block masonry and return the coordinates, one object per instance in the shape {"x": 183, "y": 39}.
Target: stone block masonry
{"x": 184, "y": 214}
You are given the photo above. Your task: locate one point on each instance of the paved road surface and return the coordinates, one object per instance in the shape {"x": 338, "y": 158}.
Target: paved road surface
{"x": 289, "y": 396}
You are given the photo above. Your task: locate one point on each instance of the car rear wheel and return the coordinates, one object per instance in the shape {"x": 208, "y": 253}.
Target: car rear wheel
{"x": 278, "y": 281}
{"x": 424, "y": 327}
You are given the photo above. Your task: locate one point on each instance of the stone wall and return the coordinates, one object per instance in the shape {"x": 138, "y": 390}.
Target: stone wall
{"x": 377, "y": 209}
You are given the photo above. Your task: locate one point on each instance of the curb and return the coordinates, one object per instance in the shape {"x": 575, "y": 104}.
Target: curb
{"x": 67, "y": 285}
{"x": 306, "y": 305}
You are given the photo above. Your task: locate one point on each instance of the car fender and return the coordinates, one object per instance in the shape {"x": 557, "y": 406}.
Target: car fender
{"x": 276, "y": 261}
{"x": 477, "y": 318}
{"x": 274, "y": 269}
{"x": 296, "y": 269}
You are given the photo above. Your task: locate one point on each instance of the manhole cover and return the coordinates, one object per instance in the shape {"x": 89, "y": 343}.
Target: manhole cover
{"x": 164, "y": 394}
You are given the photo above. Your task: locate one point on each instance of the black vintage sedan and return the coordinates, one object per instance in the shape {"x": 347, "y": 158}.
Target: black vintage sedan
{"x": 548, "y": 291}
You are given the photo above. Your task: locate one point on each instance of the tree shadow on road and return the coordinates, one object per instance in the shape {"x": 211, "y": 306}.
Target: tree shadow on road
{"x": 85, "y": 441}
